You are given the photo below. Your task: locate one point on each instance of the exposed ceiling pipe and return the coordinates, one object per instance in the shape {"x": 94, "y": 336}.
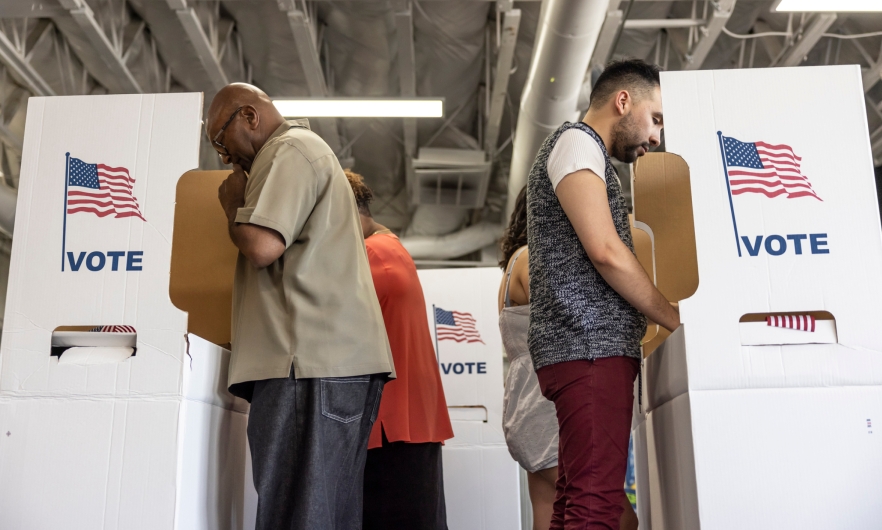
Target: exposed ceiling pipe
{"x": 568, "y": 31}
{"x": 8, "y": 197}
{"x": 452, "y": 245}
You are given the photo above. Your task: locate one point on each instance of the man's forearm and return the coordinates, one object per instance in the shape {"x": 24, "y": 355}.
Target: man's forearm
{"x": 628, "y": 278}
{"x": 260, "y": 245}
{"x": 240, "y": 238}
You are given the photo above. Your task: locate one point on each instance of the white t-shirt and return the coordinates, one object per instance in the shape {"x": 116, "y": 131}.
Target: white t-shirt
{"x": 575, "y": 150}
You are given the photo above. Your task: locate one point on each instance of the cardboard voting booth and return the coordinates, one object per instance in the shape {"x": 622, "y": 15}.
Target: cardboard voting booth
{"x": 747, "y": 425}
{"x": 131, "y": 426}
{"x": 480, "y": 477}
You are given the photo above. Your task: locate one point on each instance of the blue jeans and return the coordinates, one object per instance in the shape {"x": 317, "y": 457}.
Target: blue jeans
{"x": 308, "y": 442}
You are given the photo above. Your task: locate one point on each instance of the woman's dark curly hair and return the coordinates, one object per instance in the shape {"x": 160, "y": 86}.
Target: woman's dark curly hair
{"x": 363, "y": 194}
{"x": 515, "y": 235}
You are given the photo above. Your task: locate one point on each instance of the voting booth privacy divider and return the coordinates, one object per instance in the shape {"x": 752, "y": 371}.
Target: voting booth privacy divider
{"x": 131, "y": 428}
{"x": 745, "y": 425}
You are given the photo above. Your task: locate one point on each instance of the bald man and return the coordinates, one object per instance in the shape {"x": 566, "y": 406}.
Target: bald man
{"x": 309, "y": 346}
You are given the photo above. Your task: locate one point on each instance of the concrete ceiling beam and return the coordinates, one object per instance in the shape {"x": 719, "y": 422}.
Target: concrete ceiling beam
{"x": 21, "y": 68}
{"x": 310, "y": 61}
{"x": 710, "y": 33}
{"x": 112, "y": 58}
{"x": 817, "y": 27}
{"x": 206, "y": 53}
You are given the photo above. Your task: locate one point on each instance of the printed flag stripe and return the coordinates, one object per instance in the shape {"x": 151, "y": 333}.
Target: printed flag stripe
{"x": 780, "y": 147}
{"x": 99, "y": 213}
{"x": 771, "y": 194}
{"x": 797, "y": 322}
{"x": 744, "y": 181}
{"x": 113, "y": 329}
{"x": 771, "y": 183}
{"x": 109, "y": 204}
{"x": 771, "y": 173}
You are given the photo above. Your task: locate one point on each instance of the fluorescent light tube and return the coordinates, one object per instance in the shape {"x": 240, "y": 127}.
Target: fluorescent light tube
{"x": 839, "y": 6}
{"x": 360, "y": 108}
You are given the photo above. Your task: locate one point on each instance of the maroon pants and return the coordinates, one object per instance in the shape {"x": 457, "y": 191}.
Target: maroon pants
{"x": 594, "y": 401}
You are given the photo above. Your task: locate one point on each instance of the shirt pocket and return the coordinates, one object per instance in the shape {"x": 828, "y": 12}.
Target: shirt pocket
{"x": 344, "y": 398}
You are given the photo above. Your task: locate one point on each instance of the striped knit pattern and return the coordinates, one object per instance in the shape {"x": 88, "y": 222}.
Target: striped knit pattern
{"x": 574, "y": 313}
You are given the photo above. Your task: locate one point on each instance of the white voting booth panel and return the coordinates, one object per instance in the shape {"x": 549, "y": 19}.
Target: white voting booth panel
{"x": 480, "y": 477}
{"x": 154, "y": 441}
{"x": 777, "y": 433}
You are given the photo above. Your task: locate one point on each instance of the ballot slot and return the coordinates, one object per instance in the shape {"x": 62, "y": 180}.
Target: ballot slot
{"x": 98, "y": 344}
{"x": 468, "y": 413}
{"x": 795, "y": 327}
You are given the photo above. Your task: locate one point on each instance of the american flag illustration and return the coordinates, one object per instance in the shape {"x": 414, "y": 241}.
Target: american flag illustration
{"x": 456, "y": 325}
{"x": 113, "y": 329}
{"x": 101, "y": 190}
{"x": 758, "y": 167}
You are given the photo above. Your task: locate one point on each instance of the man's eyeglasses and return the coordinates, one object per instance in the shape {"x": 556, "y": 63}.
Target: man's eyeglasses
{"x": 216, "y": 141}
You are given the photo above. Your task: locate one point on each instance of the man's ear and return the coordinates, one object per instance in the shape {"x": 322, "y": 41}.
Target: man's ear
{"x": 622, "y": 101}
{"x": 252, "y": 118}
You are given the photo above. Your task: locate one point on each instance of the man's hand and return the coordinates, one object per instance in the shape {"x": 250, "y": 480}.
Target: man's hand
{"x": 232, "y": 193}
{"x": 583, "y": 197}
{"x": 260, "y": 245}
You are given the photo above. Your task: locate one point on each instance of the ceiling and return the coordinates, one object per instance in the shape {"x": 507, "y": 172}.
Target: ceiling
{"x": 367, "y": 48}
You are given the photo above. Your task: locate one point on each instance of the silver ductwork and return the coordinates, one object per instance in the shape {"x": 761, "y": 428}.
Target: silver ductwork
{"x": 452, "y": 245}
{"x": 568, "y": 31}
{"x": 8, "y": 197}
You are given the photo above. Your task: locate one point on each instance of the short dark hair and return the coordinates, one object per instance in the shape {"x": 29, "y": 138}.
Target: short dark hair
{"x": 636, "y": 76}
{"x": 363, "y": 194}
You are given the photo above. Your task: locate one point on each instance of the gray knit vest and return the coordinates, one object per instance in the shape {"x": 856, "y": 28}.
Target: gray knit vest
{"x": 574, "y": 313}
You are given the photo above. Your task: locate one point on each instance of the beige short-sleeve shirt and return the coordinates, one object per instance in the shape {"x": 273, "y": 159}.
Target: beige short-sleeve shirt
{"x": 315, "y": 307}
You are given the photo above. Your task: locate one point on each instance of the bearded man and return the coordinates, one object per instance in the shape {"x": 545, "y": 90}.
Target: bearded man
{"x": 589, "y": 295}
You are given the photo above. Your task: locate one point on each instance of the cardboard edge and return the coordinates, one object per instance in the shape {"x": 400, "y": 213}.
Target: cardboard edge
{"x": 675, "y": 452}
{"x": 665, "y": 372}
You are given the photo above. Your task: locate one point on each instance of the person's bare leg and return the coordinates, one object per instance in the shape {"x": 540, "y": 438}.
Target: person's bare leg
{"x": 542, "y": 491}
{"x": 629, "y": 518}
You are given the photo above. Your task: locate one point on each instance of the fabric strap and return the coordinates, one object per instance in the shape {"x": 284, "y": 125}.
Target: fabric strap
{"x": 508, "y": 275}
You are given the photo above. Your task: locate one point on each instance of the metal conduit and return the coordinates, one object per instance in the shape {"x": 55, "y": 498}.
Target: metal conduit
{"x": 568, "y": 31}
{"x": 8, "y": 197}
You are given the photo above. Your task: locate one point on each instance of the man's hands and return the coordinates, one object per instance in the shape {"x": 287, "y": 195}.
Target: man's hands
{"x": 232, "y": 193}
{"x": 260, "y": 245}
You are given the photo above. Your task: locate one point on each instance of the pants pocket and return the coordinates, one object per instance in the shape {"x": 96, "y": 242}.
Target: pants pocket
{"x": 343, "y": 398}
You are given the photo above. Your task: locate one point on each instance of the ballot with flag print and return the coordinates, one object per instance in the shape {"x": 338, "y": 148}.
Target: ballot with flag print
{"x": 101, "y": 190}
{"x": 768, "y": 169}
{"x": 456, "y": 325}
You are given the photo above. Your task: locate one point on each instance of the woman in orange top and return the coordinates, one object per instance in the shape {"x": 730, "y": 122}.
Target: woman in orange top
{"x": 403, "y": 486}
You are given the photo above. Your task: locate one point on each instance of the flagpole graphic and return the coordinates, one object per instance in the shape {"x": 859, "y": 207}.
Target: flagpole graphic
{"x": 435, "y": 323}
{"x": 64, "y": 225}
{"x": 729, "y": 189}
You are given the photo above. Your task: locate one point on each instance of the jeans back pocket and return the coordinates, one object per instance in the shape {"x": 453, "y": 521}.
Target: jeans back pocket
{"x": 344, "y": 398}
